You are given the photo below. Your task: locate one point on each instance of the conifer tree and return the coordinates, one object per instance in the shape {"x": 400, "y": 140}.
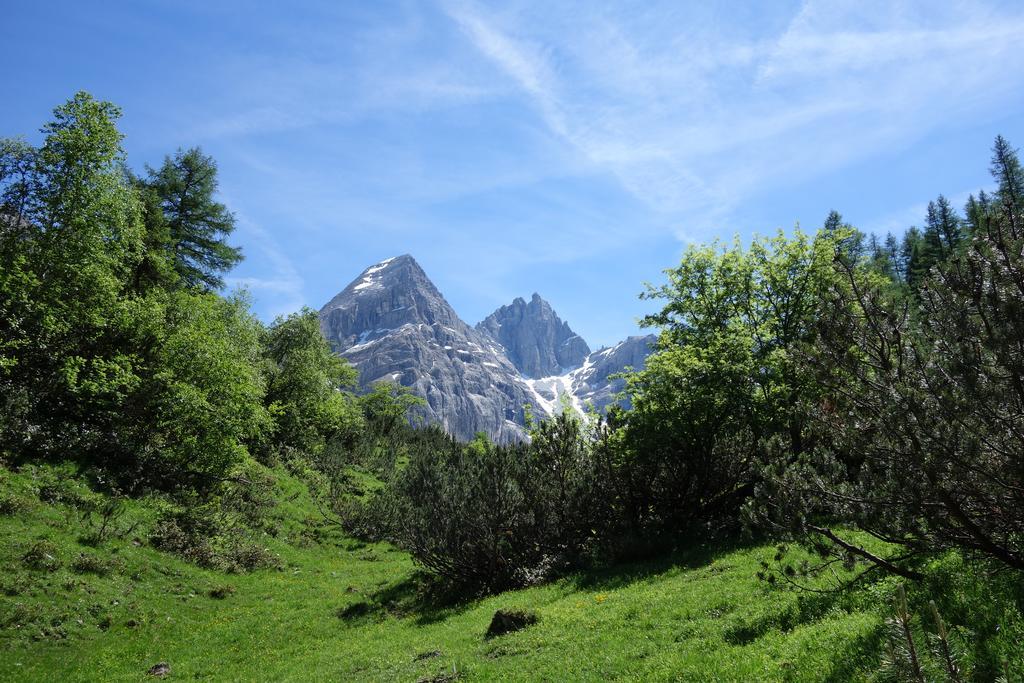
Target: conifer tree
{"x": 197, "y": 224}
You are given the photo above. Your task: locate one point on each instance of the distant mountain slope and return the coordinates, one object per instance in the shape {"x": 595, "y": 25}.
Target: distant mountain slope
{"x": 535, "y": 339}
{"x": 591, "y": 385}
{"x": 394, "y": 325}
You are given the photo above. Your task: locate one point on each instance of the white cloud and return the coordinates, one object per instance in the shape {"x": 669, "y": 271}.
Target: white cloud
{"x": 694, "y": 115}
{"x": 283, "y": 291}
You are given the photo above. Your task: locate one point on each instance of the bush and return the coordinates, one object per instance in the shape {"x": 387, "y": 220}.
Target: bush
{"x": 724, "y": 379}
{"x": 188, "y": 533}
{"x": 221, "y": 532}
{"x": 43, "y": 556}
{"x": 923, "y": 408}
{"x": 222, "y": 592}
{"x": 490, "y": 517}
{"x": 11, "y": 504}
{"x": 87, "y": 563}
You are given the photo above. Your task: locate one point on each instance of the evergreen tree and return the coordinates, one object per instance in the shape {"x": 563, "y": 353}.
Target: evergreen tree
{"x": 943, "y": 231}
{"x": 976, "y": 213}
{"x": 893, "y": 255}
{"x": 1007, "y": 172}
{"x": 197, "y": 224}
{"x": 914, "y": 256}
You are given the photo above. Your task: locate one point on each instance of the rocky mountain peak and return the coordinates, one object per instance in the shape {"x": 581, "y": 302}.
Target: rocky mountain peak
{"x": 535, "y": 339}
{"x": 384, "y": 297}
{"x": 393, "y": 325}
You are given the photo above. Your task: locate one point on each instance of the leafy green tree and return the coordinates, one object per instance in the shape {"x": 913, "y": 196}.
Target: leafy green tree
{"x": 200, "y": 397}
{"x": 104, "y": 359}
{"x": 196, "y": 224}
{"x": 74, "y": 234}
{"x": 305, "y": 383}
{"x": 726, "y": 376}
{"x": 386, "y": 407}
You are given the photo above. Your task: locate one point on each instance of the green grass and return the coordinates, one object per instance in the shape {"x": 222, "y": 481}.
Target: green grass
{"x": 343, "y": 610}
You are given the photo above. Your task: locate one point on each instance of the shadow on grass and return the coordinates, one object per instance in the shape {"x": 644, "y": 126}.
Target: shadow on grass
{"x": 419, "y": 595}
{"x": 645, "y": 563}
{"x": 429, "y": 600}
{"x": 808, "y": 609}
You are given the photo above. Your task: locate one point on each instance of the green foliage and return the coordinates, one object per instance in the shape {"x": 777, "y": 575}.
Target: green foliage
{"x": 74, "y": 235}
{"x": 923, "y": 401}
{"x": 726, "y": 377}
{"x": 387, "y": 407}
{"x": 190, "y": 223}
{"x": 104, "y": 356}
{"x": 487, "y": 516}
{"x": 204, "y": 398}
{"x": 305, "y": 383}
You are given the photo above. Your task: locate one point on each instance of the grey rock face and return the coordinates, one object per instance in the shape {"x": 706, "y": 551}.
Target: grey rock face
{"x": 592, "y": 382}
{"x": 535, "y": 339}
{"x": 393, "y": 324}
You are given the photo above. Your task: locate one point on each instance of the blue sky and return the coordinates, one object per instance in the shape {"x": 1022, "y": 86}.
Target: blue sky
{"x": 572, "y": 149}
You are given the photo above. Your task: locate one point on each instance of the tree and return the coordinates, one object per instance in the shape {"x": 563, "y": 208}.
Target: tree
{"x": 305, "y": 383}
{"x": 925, "y": 402}
{"x": 75, "y": 233}
{"x": 725, "y": 377}
{"x": 103, "y": 358}
{"x": 199, "y": 400}
{"x": 197, "y": 224}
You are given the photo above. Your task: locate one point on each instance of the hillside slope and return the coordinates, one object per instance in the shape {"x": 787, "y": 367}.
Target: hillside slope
{"x": 342, "y": 610}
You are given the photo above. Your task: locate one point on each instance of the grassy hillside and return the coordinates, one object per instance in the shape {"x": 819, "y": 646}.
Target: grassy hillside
{"x": 338, "y": 609}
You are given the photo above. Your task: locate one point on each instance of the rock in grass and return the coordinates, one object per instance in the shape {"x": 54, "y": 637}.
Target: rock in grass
{"x": 507, "y": 621}
{"x": 160, "y": 670}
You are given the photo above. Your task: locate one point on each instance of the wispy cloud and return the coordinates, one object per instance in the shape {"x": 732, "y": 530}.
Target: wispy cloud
{"x": 696, "y": 120}
{"x": 281, "y": 289}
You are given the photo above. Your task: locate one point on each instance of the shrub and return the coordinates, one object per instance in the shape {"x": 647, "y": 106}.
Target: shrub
{"x": 489, "y": 517}
{"x": 188, "y": 533}
{"x": 211, "y": 535}
{"x": 87, "y": 563}
{"x": 247, "y": 556}
{"x": 222, "y": 592}
{"x": 11, "y": 504}
{"x": 43, "y": 555}
{"x": 923, "y": 408}
{"x": 725, "y": 377}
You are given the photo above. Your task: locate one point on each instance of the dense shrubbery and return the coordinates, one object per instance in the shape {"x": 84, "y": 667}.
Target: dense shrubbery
{"x": 723, "y": 382}
{"x": 493, "y": 516}
{"x": 114, "y": 349}
{"x": 926, "y": 405}
{"x": 303, "y": 382}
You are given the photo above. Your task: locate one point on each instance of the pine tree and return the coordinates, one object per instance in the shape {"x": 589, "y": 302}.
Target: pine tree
{"x": 913, "y": 254}
{"x": 976, "y": 213}
{"x": 1007, "y": 171}
{"x": 198, "y": 225}
{"x": 893, "y": 254}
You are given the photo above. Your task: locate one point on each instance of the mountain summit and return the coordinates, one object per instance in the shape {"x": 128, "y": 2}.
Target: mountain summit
{"x": 393, "y": 324}
{"x": 384, "y": 297}
{"x": 536, "y": 340}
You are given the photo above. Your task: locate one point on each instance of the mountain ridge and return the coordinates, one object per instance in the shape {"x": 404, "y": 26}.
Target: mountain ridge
{"x": 393, "y": 324}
